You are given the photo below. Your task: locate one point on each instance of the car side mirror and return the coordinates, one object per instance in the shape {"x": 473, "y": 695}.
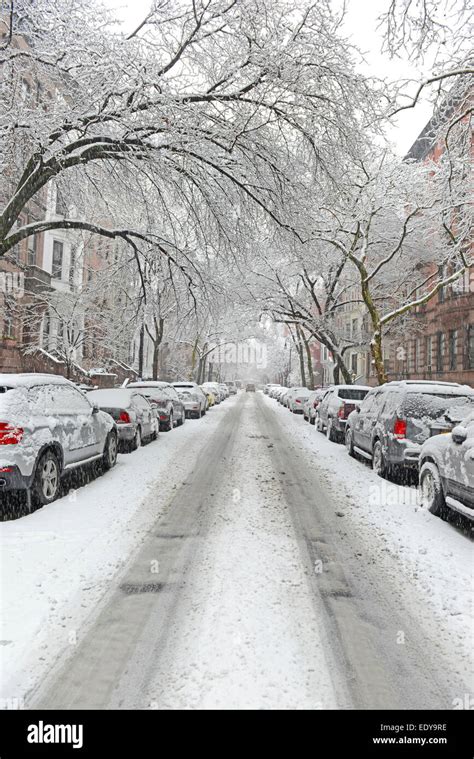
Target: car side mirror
{"x": 459, "y": 434}
{"x": 95, "y": 408}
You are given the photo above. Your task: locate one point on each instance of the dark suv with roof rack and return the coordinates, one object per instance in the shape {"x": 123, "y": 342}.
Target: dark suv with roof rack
{"x": 395, "y": 419}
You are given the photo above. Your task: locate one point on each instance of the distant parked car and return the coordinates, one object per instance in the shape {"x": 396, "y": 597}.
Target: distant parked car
{"x": 192, "y": 403}
{"x": 296, "y": 400}
{"x": 224, "y": 389}
{"x": 165, "y": 397}
{"x": 292, "y": 393}
{"x": 447, "y": 471}
{"x": 211, "y": 398}
{"x": 198, "y": 391}
{"x": 269, "y": 387}
{"x": 232, "y": 388}
{"x": 311, "y": 404}
{"x": 133, "y": 414}
{"x": 395, "y": 419}
{"x": 48, "y": 427}
{"x": 214, "y": 388}
{"x": 336, "y": 404}
{"x": 250, "y": 387}
{"x": 282, "y": 396}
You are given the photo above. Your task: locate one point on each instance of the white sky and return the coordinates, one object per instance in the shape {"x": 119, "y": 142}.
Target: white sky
{"x": 361, "y": 27}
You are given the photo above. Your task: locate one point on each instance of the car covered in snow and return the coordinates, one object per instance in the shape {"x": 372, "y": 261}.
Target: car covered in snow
{"x": 270, "y": 386}
{"x": 195, "y": 389}
{"x": 214, "y": 388}
{"x": 396, "y": 418}
{"x": 311, "y": 404}
{"x": 192, "y": 403}
{"x": 47, "y": 427}
{"x": 335, "y": 406}
{"x": 136, "y": 419}
{"x": 447, "y": 471}
{"x": 291, "y": 393}
{"x": 164, "y": 396}
{"x": 296, "y": 400}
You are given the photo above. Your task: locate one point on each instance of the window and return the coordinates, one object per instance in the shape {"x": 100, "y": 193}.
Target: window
{"x": 8, "y": 321}
{"x": 470, "y": 347}
{"x": 46, "y": 330}
{"x": 354, "y": 364}
{"x": 441, "y": 276}
{"x": 418, "y": 355}
{"x": 429, "y": 352}
{"x": 61, "y": 207}
{"x": 440, "y": 350}
{"x": 25, "y": 91}
{"x": 355, "y": 329}
{"x": 32, "y": 246}
{"x": 453, "y": 349}
{"x": 58, "y": 252}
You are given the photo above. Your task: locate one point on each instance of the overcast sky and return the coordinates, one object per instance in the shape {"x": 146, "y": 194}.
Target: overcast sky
{"x": 361, "y": 26}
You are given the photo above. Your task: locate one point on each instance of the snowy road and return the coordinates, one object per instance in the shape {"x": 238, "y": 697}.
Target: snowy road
{"x": 273, "y": 577}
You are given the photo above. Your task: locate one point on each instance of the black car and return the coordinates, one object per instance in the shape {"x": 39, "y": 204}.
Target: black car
{"x": 165, "y": 397}
{"x": 395, "y": 419}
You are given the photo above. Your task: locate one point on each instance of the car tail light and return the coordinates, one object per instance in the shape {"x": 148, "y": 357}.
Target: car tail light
{"x": 5, "y": 469}
{"x": 297, "y": 400}
{"x": 163, "y": 418}
{"x": 315, "y": 404}
{"x": 124, "y": 418}
{"x": 400, "y": 428}
{"x": 9, "y": 434}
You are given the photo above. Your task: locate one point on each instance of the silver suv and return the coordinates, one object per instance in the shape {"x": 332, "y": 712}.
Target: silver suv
{"x": 447, "y": 471}
{"x": 47, "y": 427}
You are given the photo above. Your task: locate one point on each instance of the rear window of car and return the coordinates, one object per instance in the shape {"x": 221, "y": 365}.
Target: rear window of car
{"x": 432, "y": 405}
{"x": 351, "y": 394}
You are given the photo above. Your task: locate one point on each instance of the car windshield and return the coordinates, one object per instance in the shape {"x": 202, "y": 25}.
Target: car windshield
{"x": 352, "y": 394}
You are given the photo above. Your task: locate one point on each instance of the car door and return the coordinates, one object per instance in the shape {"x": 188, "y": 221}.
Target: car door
{"x": 323, "y": 406}
{"x": 89, "y": 437}
{"x": 363, "y": 425}
{"x": 177, "y": 405}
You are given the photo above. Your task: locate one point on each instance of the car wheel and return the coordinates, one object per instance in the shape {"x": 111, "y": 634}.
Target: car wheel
{"x": 47, "y": 478}
{"x": 109, "y": 458}
{"x": 330, "y": 432}
{"x": 312, "y": 420}
{"x": 379, "y": 464}
{"x": 183, "y": 418}
{"x": 170, "y": 424}
{"x": 431, "y": 495}
{"x": 349, "y": 442}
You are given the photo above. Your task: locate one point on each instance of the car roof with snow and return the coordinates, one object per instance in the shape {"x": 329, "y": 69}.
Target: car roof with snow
{"x": 430, "y": 386}
{"x": 149, "y": 383}
{"x": 32, "y": 379}
{"x": 112, "y": 396}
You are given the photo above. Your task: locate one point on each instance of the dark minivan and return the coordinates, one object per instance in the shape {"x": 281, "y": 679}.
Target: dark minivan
{"x": 395, "y": 419}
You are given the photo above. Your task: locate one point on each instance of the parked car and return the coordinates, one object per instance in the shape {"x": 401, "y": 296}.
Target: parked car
{"x": 214, "y": 388}
{"x": 311, "y": 404}
{"x": 232, "y": 388}
{"x": 336, "y": 404}
{"x": 192, "y": 403}
{"x": 224, "y": 389}
{"x": 281, "y": 397}
{"x": 133, "y": 414}
{"x": 296, "y": 400}
{"x": 447, "y": 471}
{"x": 165, "y": 396}
{"x": 270, "y": 386}
{"x": 198, "y": 391}
{"x": 250, "y": 387}
{"x": 211, "y": 398}
{"x": 48, "y": 427}
{"x": 292, "y": 393}
{"x": 275, "y": 391}
{"x": 395, "y": 419}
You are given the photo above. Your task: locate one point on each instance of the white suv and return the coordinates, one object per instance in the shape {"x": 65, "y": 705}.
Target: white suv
{"x": 48, "y": 426}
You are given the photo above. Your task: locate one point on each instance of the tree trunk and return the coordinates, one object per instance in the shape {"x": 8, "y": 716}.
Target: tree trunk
{"x": 309, "y": 361}
{"x": 140, "y": 351}
{"x": 377, "y": 354}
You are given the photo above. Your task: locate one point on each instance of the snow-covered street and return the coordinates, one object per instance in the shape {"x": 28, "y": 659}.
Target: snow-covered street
{"x": 242, "y": 561}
